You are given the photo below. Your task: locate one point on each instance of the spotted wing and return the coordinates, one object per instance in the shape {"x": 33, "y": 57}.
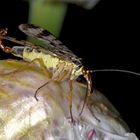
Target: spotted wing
{"x": 52, "y": 43}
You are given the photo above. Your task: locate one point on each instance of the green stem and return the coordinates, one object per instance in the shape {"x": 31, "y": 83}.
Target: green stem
{"x": 47, "y": 15}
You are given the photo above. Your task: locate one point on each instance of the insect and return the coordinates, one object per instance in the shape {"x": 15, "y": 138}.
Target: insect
{"x": 57, "y": 58}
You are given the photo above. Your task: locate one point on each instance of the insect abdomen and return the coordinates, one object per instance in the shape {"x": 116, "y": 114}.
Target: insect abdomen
{"x": 48, "y": 60}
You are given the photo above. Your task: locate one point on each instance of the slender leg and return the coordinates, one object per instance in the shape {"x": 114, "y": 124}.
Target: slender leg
{"x": 85, "y": 101}
{"x": 5, "y": 48}
{"x": 70, "y": 85}
{"x": 3, "y": 33}
{"x": 55, "y": 76}
{"x": 89, "y": 90}
{"x": 21, "y": 42}
{"x": 36, "y": 92}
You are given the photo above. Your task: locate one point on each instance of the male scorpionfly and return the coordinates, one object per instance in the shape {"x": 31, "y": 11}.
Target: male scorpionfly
{"x": 57, "y": 58}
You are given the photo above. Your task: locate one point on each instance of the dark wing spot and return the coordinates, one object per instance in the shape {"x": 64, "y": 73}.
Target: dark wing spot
{"x": 29, "y": 49}
{"x": 45, "y": 32}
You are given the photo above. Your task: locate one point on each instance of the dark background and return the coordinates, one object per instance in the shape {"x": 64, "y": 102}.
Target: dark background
{"x": 105, "y": 37}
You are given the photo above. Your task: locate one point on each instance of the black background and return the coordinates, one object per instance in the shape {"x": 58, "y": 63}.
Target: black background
{"x": 105, "y": 37}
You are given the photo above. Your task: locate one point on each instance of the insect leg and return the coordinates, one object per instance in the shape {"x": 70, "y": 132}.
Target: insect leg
{"x": 45, "y": 70}
{"x": 89, "y": 90}
{"x": 36, "y": 92}
{"x": 70, "y": 85}
{"x": 85, "y": 101}
{"x": 64, "y": 74}
{"x": 6, "y": 49}
{"x": 55, "y": 77}
{"x": 21, "y": 42}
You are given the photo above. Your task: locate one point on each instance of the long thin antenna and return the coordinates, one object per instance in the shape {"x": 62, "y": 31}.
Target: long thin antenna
{"x": 117, "y": 70}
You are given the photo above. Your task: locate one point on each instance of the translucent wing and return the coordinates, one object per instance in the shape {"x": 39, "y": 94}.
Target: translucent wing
{"x": 52, "y": 43}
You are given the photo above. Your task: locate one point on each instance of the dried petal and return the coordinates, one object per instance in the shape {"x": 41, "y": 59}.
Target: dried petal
{"x": 23, "y": 117}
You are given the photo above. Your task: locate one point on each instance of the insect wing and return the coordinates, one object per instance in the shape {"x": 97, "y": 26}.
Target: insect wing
{"x": 52, "y": 43}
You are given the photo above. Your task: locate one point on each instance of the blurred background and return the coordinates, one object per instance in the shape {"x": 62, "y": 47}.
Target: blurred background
{"x": 104, "y": 33}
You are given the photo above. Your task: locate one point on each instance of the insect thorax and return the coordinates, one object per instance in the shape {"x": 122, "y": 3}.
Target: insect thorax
{"x": 54, "y": 64}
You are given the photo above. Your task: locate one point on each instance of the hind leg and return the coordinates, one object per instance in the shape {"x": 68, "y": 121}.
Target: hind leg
{"x": 56, "y": 77}
{"x": 70, "y": 85}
